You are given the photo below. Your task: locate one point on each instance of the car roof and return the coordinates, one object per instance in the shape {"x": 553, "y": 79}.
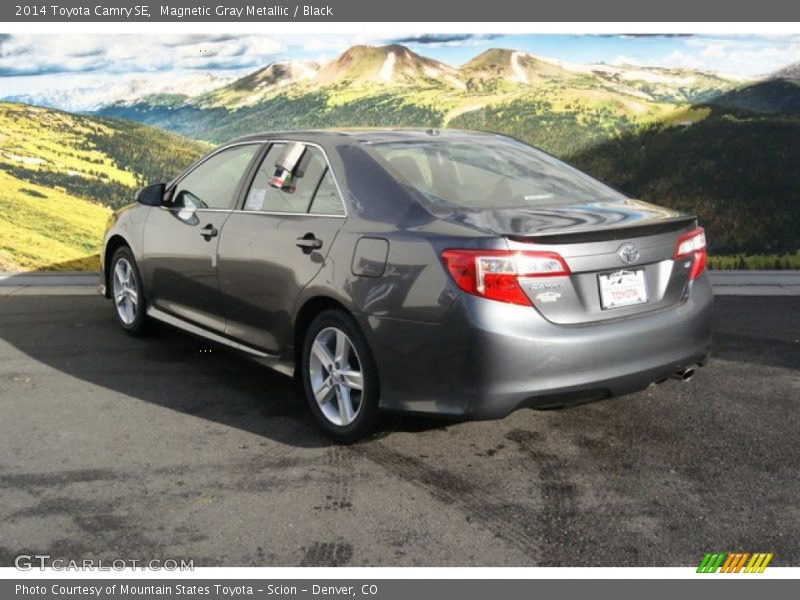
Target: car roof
{"x": 364, "y": 135}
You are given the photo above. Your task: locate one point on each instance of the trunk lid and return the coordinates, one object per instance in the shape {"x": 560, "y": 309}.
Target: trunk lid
{"x": 593, "y": 221}
{"x": 627, "y": 244}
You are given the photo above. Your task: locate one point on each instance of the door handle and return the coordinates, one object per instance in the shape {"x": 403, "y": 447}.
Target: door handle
{"x": 309, "y": 242}
{"x": 208, "y": 232}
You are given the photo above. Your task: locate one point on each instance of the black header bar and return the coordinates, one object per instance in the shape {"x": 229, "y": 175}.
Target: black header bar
{"x": 471, "y": 11}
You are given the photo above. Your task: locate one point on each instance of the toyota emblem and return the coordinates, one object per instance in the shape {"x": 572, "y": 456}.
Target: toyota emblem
{"x": 628, "y": 253}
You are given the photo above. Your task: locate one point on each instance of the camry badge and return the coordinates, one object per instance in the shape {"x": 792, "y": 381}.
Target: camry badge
{"x": 546, "y": 297}
{"x": 628, "y": 253}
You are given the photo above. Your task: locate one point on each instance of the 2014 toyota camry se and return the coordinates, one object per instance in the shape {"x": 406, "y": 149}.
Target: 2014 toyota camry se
{"x": 442, "y": 272}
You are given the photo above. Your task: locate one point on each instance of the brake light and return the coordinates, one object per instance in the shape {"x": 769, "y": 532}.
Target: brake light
{"x": 495, "y": 274}
{"x": 693, "y": 245}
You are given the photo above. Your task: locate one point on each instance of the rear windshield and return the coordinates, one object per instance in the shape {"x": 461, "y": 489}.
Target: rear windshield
{"x": 489, "y": 173}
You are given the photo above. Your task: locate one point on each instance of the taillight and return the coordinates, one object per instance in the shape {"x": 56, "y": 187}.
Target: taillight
{"x": 495, "y": 274}
{"x": 693, "y": 245}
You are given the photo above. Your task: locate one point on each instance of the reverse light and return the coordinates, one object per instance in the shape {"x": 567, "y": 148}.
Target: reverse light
{"x": 693, "y": 245}
{"x": 495, "y": 274}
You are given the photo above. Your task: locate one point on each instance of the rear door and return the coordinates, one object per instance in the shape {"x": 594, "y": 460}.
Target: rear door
{"x": 180, "y": 239}
{"x": 274, "y": 245}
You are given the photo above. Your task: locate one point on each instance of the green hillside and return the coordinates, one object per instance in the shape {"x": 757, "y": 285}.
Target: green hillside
{"x": 687, "y": 139}
{"x": 375, "y": 105}
{"x": 773, "y": 96}
{"x": 737, "y": 171}
{"x": 60, "y": 176}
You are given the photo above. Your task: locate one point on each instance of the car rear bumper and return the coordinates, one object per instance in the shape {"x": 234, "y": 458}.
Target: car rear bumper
{"x": 488, "y": 358}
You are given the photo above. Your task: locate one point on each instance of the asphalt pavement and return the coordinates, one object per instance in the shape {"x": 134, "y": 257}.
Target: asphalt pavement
{"x": 167, "y": 447}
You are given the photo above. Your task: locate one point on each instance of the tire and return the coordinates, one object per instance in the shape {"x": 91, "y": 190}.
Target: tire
{"x": 127, "y": 291}
{"x": 332, "y": 370}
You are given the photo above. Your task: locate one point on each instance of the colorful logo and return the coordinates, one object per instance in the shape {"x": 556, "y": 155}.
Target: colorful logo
{"x": 734, "y": 562}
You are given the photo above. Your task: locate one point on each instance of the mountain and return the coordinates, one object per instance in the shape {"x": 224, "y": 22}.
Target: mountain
{"x": 359, "y": 66}
{"x": 791, "y": 73}
{"x": 385, "y": 65}
{"x": 91, "y": 98}
{"x": 61, "y": 174}
{"x": 774, "y": 96}
{"x": 668, "y": 85}
{"x": 368, "y": 67}
{"x": 616, "y": 121}
{"x": 394, "y": 86}
{"x": 499, "y": 65}
{"x": 256, "y": 86}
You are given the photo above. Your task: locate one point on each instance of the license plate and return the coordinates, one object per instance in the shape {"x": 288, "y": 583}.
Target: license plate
{"x": 622, "y": 288}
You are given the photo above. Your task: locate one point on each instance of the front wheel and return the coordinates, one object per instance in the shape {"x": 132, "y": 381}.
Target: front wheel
{"x": 339, "y": 377}
{"x": 127, "y": 291}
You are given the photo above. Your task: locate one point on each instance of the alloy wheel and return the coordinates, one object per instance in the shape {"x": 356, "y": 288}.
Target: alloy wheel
{"x": 336, "y": 376}
{"x": 126, "y": 295}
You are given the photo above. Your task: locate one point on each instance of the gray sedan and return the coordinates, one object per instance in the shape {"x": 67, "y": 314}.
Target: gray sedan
{"x": 440, "y": 272}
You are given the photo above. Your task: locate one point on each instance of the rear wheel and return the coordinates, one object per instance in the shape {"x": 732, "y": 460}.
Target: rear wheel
{"x": 127, "y": 291}
{"x": 339, "y": 377}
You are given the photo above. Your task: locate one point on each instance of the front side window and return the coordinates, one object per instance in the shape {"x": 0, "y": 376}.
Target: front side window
{"x": 213, "y": 183}
{"x": 488, "y": 173}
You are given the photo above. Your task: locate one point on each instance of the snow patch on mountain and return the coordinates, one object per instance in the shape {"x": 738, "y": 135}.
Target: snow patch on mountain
{"x": 387, "y": 70}
{"x": 519, "y": 73}
{"x": 455, "y": 82}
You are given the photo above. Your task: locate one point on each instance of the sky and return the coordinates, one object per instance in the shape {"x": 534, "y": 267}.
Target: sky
{"x": 37, "y": 63}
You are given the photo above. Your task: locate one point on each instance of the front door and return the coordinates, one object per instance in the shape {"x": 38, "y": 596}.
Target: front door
{"x": 181, "y": 239}
{"x": 275, "y": 244}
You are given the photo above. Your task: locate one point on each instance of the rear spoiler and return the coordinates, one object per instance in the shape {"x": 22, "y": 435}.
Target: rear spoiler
{"x": 608, "y": 234}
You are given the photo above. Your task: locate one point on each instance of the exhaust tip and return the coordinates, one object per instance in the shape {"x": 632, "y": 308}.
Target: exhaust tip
{"x": 684, "y": 375}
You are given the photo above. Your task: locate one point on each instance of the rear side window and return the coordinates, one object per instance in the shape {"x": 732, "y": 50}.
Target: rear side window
{"x": 213, "y": 183}
{"x": 326, "y": 200}
{"x": 297, "y": 194}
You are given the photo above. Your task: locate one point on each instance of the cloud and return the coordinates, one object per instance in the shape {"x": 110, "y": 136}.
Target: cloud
{"x": 714, "y": 50}
{"x": 644, "y": 35}
{"x": 51, "y": 54}
{"x": 621, "y": 60}
{"x": 446, "y": 39}
{"x": 658, "y": 35}
{"x": 735, "y": 56}
{"x": 684, "y": 60}
{"x": 190, "y": 39}
{"x": 749, "y": 54}
{"x": 323, "y": 45}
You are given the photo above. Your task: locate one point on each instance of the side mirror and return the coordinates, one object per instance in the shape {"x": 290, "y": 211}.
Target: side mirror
{"x": 151, "y": 195}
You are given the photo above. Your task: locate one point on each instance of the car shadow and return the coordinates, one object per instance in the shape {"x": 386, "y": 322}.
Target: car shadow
{"x": 78, "y": 336}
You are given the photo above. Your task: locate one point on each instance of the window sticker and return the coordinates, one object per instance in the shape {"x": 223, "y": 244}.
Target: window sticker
{"x": 255, "y": 199}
